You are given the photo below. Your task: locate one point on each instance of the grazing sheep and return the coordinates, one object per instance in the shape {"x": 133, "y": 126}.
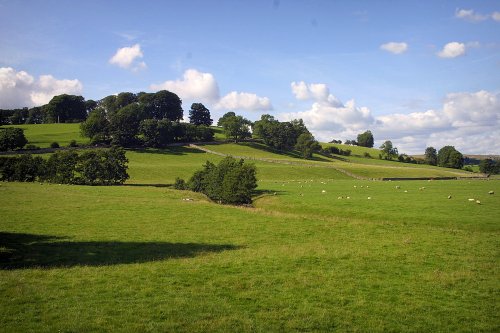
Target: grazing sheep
{"x": 323, "y": 191}
{"x": 478, "y": 202}
{"x": 369, "y": 198}
{"x": 398, "y": 187}
{"x": 471, "y": 200}
{"x": 449, "y": 197}
{"x": 339, "y": 198}
{"x": 348, "y": 198}
{"x": 355, "y": 186}
{"x": 406, "y": 191}
{"x": 491, "y": 192}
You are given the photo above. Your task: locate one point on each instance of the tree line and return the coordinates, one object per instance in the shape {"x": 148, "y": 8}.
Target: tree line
{"x": 92, "y": 167}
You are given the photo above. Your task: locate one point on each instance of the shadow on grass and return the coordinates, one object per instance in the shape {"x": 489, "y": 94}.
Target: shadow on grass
{"x": 173, "y": 150}
{"x": 293, "y": 154}
{"x": 23, "y": 251}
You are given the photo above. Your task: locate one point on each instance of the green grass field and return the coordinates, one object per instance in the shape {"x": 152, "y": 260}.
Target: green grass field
{"x": 319, "y": 251}
{"x": 43, "y": 135}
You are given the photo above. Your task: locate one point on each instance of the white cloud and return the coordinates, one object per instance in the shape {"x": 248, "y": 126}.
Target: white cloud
{"x": 394, "y": 47}
{"x": 128, "y": 58}
{"x": 244, "y": 101}
{"x": 496, "y": 16}
{"x": 315, "y": 91}
{"x": 466, "y": 120}
{"x": 452, "y": 50}
{"x": 470, "y": 121}
{"x": 328, "y": 114}
{"x": 470, "y": 15}
{"x": 19, "y": 89}
{"x": 194, "y": 85}
{"x": 199, "y": 86}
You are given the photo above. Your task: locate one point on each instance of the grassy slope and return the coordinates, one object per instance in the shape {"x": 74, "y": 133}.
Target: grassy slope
{"x": 365, "y": 167}
{"x": 43, "y": 135}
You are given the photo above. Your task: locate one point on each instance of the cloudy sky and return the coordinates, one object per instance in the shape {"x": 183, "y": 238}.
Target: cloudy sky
{"x": 420, "y": 73}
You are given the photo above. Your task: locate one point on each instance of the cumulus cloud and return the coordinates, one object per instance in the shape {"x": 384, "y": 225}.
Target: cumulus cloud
{"x": 394, "y": 47}
{"x": 327, "y": 114}
{"x": 452, "y": 50}
{"x": 470, "y": 121}
{"x": 199, "y": 86}
{"x": 470, "y": 15}
{"x": 20, "y": 89}
{"x": 129, "y": 58}
{"x": 467, "y": 120}
{"x": 193, "y": 85}
{"x": 244, "y": 101}
{"x": 318, "y": 92}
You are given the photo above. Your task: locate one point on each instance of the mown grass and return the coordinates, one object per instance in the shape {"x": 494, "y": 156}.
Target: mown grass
{"x": 142, "y": 259}
{"x": 43, "y": 135}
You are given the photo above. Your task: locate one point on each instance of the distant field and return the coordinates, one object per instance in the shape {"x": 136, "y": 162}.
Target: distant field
{"x": 43, "y": 135}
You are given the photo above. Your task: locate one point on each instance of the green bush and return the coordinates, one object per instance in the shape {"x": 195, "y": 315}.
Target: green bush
{"x": 73, "y": 143}
{"x": 12, "y": 138}
{"x": 229, "y": 182}
{"x": 54, "y": 145}
{"x": 180, "y": 184}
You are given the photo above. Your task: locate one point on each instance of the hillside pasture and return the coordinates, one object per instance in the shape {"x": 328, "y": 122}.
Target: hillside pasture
{"x": 43, "y": 135}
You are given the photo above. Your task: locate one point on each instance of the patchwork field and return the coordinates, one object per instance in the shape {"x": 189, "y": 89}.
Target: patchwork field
{"x": 318, "y": 251}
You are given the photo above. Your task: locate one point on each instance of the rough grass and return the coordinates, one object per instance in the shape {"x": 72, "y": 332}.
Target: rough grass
{"x": 355, "y": 150}
{"x": 142, "y": 259}
{"x": 43, "y": 135}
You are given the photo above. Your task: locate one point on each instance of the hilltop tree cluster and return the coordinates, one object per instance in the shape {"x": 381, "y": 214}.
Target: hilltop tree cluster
{"x": 150, "y": 119}
{"x": 92, "y": 167}
{"x": 286, "y": 135}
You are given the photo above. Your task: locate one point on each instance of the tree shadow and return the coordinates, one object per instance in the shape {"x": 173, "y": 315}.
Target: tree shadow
{"x": 24, "y": 251}
{"x": 172, "y": 150}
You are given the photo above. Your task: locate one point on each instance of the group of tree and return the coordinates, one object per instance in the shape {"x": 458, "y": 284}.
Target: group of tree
{"x": 235, "y": 127}
{"x": 389, "y": 152}
{"x": 229, "y": 182}
{"x": 447, "y": 157}
{"x": 12, "y": 138}
{"x": 365, "y": 139}
{"x": 336, "y": 141}
{"x": 489, "y": 166}
{"x": 150, "y": 119}
{"x": 61, "y": 109}
{"x": 92, "y": 167}
{"x": 286, "y": 136}
{"x": 335, "y": 150}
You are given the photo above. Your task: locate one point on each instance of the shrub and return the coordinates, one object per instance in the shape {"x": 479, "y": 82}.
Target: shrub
{"x": 367, "y": 155}
{"x": 12, "y": 138}
{"x": 73, "y": 143}
{"x": 229, "y": 182}
{"x": 180, "y": 184}
{"x": 54, "y": 145}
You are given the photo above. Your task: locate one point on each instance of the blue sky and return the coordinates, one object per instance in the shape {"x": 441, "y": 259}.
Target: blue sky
{"x": 419, "y": 73}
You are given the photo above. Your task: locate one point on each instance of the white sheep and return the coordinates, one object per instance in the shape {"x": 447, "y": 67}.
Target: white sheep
{"x": 449, "y": 197}
{"x": 472, "y": 200}
{"x": 478, "y": 202}
{"x": 491, "y": 192}
{"x": 369, "y": 198}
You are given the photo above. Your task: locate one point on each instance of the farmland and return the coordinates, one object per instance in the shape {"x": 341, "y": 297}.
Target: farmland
{"x": 318, "y": 251}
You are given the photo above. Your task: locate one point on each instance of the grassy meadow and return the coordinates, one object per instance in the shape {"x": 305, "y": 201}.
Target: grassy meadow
{"x": 318, "y": 251}
{"x": 43, "y": 135}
